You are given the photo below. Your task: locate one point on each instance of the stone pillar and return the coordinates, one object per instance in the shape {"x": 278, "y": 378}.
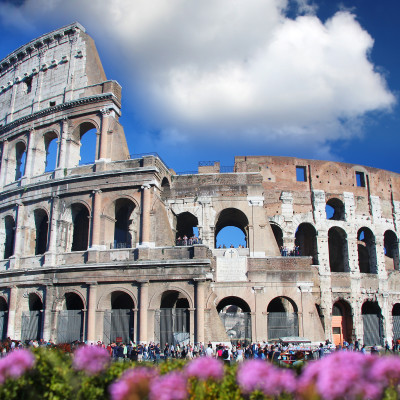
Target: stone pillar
{"x": 62, "y": 147}
{"x": 105, "y": 122}
{"x": 91, "y": 315}
{"x": 258, "y": 323}
{"x": 12, "y": 308}
{"x": 19, "y": 230}
{"x": 4, "y": 162}
{"x": 135, "y": 325}
{"x": 30, "y": 158}
{"x": 200, "y": 305}
{"x": 52, "y": 234}
{"x": 143, "y": 306}
{"x": 146, "y": 206}
{"x": 191, "y": 325}
{"x": 96, "y": 211}
{"x": 48, "y": 312}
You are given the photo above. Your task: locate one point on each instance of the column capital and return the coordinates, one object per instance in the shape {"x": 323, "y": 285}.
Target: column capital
{"x": 96, "y": 191}
{"x": 146, "y": 186}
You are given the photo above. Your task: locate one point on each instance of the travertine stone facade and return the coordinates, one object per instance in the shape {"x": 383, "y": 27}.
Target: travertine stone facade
{"x": 89, "y": 252}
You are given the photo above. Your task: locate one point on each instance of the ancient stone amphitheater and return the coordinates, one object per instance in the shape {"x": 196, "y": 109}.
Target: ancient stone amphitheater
{"x": 90, "y": 252}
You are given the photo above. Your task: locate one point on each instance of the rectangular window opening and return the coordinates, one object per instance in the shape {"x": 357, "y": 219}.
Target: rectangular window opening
{"x": 301, "y": 174}
{"x": 28, "y": 83}
{"x": 52, "y": 103}
{"x": 360, "y": 179}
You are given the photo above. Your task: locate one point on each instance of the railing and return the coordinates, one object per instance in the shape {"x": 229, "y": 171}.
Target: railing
{"x": 207, "y": 163}
{"x": 141, "y": 155}
{"x": 188, "y": 242}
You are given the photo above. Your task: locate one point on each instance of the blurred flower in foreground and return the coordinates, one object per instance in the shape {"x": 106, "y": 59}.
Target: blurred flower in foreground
{"x": 204, "y": 368}
{"x": 91, "y": 359}
{"x": 172, "y": 386}
{"x": 259, "y": 375}
{"x": 15, "y": 364}
{"x": 342, "y": 375}
{"x": 134, "y": 384}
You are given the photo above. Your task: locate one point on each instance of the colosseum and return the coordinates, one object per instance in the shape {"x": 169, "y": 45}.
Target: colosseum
{"x": 124, "y": 248}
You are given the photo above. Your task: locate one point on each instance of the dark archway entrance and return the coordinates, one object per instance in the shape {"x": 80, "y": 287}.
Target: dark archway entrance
{"x": 236, "y": 316}
{"x": 306, "y": 239}
{"x": 118, "y": 322}
{"x": 80, "y": 220}
{"x": 391, "y": 247}
{"x": 338, "y": 250}
{"x": 373, "y": 323}
{"x": 31, "y": 322}
{"x": 282, "y": 318}
{"x": 342, "y": 323}
{"x": 3, "y": 318}
{"x": 396, "y": 321}
{"x": 172, "y": 320}
{"x": 232, "y": 217}
{"x": 70, "y": 320}
{"x": 278, "y": 234}
{"x": 366, "y": 251}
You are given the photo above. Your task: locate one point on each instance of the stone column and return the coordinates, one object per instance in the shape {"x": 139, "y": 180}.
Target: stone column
{"x": 96, "y": 211}
{"x": 105, "y": 122}
{"x": 146, "y": 206}
{"x": 12, "y": 308}
{"x": 191, "y": 323}
{"x": 62, "y": 147}
{"x": 18, "y": 240}
{"x": 143, "y": 306}
{"x": 200, "y": 305}
{"x": 30, "y": 158}
{"x": 135, "y": 325}
{"x": 52, "y": 234}
{"x": 48, "y": 313}
{"x": 4, "y": 162}
{"x": 258, "y": 314}
{"x": 91, "y": 315}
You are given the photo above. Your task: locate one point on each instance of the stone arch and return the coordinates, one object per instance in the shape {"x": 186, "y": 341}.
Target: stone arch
{"x": 396, "y": 321}
{"x": 172, "y": 319}
{"x": 40, "y": 234}
{"x": 49, "y": 157}
{"x": 391, "y": 249}
{"x": 20, "y": 159}
{"x": 104, "y": 302}
{"x": 186, "y": 228}
{"x": 70, "y": 324}
{"x": 338, "y": 250}
{"x": 373, "y": 323}
{"x": 306, "y": 240}
{"x": 235, "y": 315}
{"x": 9, "y": 236}
{"x": 86, "y": 126}
{"x": 335, "y": 210}
{"x": 155, "y": 300}
{"x": 59, "y": 303}
{"x": 282, "y": 317}
{"x": 342, "y": 322}
{"x": 75, "y": 221}
{"x": 232, "y": 217}
{"x": 165, "y": 183}
{"x": 125, "y": 226}
{"x": 278, "y": 234}
{"x": 366, "y": 247}
{"x": 3, "y": 317}
{"x": 32, "y": 320}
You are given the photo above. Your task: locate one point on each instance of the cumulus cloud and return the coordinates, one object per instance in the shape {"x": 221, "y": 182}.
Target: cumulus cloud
{"x": 230, "y": 69}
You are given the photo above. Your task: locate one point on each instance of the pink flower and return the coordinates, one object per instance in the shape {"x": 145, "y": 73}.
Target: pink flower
{"x": 341, "y": 375}
{"x": 91, "y": 359}
{"x": 259, "y": 375}
{"x": 15, "y": 364}
{"x": 204, "y": 368}
{"x": 133, "y": 384}
{"x": 172, "y": 386}
{"x": 387, "y": 370}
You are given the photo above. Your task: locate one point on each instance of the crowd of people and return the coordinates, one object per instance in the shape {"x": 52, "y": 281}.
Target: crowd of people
{"x": 185, "y": 241}
{"x": 294, "y": 252}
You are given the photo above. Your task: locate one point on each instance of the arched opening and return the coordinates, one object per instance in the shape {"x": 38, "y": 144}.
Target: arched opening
{"x": 88, "y": 143}
{"x": 282, "y": 318}
{"x": 186, "y": 229}
{"x": 391, "y": 248}
{"x": 373, "y": 323}
{"x": 80, "y": 221}
{"x": 9, "y": 225}
{"x": 173, "y": 319}
{"x": 232, "y": 218}
{"x": 278, "y": 234}
{"x": 335, "y": 210}
{"x": 235, "y": 315}
{"x": 165, "y": 183}
{"x": 20, "y": 159}
{"x": 338, "y": 250}
{"x": 41, "y": 230}
{"x": 366, "y": 251}
{"x": 118, "y": 322}
{"x": 342, "y": 322}
{"x": 396, "y": 321}
{"x": 306, "y": 240}
{"x": 31, "y": 322}
{"x": 3, "y": 318}
{"x": 123, "y": 222}
{"x": 50, "y": 146}
{"x": 70, "y": 319}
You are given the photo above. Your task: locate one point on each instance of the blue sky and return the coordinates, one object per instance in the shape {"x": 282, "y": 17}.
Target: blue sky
{"x": 213, "y": 79}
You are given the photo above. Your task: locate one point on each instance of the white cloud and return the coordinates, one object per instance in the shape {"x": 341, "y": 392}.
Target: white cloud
{"x": 231, "y": 69}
